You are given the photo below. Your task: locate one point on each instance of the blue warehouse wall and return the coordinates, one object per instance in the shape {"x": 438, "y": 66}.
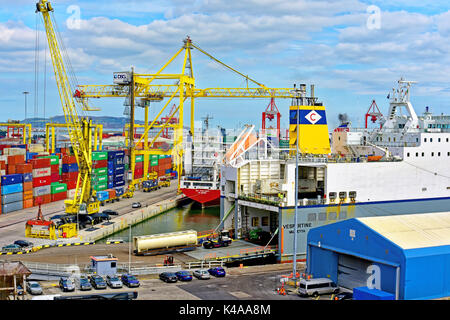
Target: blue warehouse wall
{"x": 362, "y": 241}
{"x": 324, "y": 263}
{"x": 427, "y": 273}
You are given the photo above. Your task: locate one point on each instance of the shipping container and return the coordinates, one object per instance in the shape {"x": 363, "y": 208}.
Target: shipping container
{"x": 70, "y": 167}
{"x": 11, "y": 179}
{"x": 100, "y": 171}
{"x": 58, "y": 187}
{"x": 99, "y": 155}
{"x": 28, "y": 195}
{"x": 54, "y": 160}
{"x": 28, "y": 203}
{"x": 12, "y": 188}
{"x": 40, "y": 191}
{"x": 59, "y": 196}
{"x": 42, "y": 172}
{"x": 27, "y": 186}
{"x": 12, "y": 197}
{"x": 27, "y": 177}
{"x": 99, "y": 179}
{"x": 41, "y": 181}
{"x": 69, "y": 159}
{"x": 40, "y": 163}
{"x": 11, "y": 207}
{"x": 24, "y": 168}
{"x": 102, "y": 195}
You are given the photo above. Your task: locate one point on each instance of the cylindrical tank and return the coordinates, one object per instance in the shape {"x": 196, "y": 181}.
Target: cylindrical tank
{"x": 164, "y": 240}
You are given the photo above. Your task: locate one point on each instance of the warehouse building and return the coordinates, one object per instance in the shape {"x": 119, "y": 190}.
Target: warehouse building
{"x": 407, "y": 256}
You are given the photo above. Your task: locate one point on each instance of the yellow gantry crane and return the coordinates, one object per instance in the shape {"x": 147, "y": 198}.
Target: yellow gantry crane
{"x": 80, "y": 130}
{"x": 143, "y": 86}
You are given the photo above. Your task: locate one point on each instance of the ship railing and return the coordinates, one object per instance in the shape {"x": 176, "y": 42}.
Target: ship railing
{"x": 260, "y": 198}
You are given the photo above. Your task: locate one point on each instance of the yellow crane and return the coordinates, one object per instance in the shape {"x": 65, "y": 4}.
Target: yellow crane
{"x": 143, "y": 86}
{"x": 80, "y": 130}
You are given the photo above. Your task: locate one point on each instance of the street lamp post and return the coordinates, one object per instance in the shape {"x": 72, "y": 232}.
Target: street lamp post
{"x": 25, "y": 94}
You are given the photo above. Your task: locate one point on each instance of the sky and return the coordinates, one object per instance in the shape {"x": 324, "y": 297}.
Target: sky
{"x": 352, "y": 51}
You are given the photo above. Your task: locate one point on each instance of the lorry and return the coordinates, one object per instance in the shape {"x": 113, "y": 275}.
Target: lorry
{"x": 164, "y": 243}
{"x": 150, "y": 185}
{"x": 164, "y": 182}
{"x": 223, "y": 240}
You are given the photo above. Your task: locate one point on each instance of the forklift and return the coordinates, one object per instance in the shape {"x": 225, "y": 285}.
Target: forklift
{"x": 223, "y": 240}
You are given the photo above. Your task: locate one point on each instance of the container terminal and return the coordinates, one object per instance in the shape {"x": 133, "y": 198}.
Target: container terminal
{"x": 289, "y": 201}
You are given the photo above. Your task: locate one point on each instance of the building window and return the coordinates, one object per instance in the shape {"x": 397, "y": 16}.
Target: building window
{"x": 265, "y": 221}
{"x": 423, "y": 154}
{"x": 255, "y": 222}
{"x": 311, "y": 217}
{"x": 425, "y": 140}
{"x": 439, "y": 154}
{"x": 407, "y": 154}
{"x": 417, "y": 154}
{"x": 431, "y": 139}
{"x": 432, "y": 154}
{"x": 343, "y": 215}
{"x": 322, "y": 216}
{"x": 439, "y": 139}
{"x": 446, "y": 139}
{"x": 332, "y": 215}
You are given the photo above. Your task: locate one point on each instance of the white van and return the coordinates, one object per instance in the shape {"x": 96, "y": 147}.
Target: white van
{"x": 315, "y": 287}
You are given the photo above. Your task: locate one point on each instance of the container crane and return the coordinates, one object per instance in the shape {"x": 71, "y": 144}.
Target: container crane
{"x": 374, "y": 113}
{"x": 144, "y": 87}
{"x": 79, "y": 129}
{"x": 270, "y": 113}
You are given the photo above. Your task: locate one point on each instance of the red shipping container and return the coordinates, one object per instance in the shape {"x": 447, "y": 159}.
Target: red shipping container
{"x": 24, "y": 168}
{"x": 40, "y": 163}
{"x": 59, "y": 196}
{"x": 139, "y": 165}
{"x": 27, "y": 186}
{"x": 55, "y": 177}
{"x": 42, "y": 199}
{"x": 28, "y": 203}
{"x": 54, "y": 168}
{"x": 99, "y": 164}
{"x": 16, "y": 159}
{"x": 68, "y": 176}
{"x": 42, "y": 181}
{"x": 11, "y": 169}
{"x": 71, "y": 184}
{"x": 66, "y": 159}
{"x": 2, "y": 165}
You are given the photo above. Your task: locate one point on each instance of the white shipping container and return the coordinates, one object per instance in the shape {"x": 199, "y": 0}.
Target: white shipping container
{"x": 14, "y": 151}
{"x": 40, "y": 191}
{"x": 2, "y": 172}
{"x": 43, "y": 172}
{"x": 4, "y": 158}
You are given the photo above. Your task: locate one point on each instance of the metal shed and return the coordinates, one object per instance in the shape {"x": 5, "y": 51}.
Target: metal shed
{"x": 104, "y": 265}
{"x": 410, "y": 253}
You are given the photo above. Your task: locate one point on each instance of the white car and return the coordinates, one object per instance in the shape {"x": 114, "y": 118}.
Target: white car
{"x": 201, "y": 274}
{"x": 114, "y": 282}
{"x": 136, "y": 205}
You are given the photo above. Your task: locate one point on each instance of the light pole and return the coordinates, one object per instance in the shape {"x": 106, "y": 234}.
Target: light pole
{"x": 294, "y": 255}
{"x": 25, "y": 94}
{"x": 129, "y": 251}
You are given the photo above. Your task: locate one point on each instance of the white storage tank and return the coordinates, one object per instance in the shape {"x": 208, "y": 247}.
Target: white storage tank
{"x": 164, "y": 240}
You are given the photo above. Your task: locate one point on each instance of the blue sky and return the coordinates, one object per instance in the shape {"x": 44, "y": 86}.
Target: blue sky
{"x": 277, "y": 42}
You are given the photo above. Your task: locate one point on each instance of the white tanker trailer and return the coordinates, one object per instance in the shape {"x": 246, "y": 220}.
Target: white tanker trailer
{"x": 165, "y": 243}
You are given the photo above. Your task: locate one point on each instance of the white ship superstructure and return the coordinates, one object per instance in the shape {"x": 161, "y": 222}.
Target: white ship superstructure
{"x": 402, "y": 168}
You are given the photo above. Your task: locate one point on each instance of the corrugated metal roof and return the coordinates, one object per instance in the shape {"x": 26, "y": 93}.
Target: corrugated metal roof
{"x": 413, "y": 230}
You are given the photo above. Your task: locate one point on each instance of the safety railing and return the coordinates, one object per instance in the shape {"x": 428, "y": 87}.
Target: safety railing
{"x": 260, "y": 198}
{"x": 204, "y": 264}
{"x": 258, "y": 250}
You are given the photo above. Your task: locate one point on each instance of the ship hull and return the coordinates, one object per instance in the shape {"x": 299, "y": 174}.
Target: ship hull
{"x": 206, "y": 197}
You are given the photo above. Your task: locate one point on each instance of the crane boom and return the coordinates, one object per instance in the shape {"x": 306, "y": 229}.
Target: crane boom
{"x": 79, "y": 129}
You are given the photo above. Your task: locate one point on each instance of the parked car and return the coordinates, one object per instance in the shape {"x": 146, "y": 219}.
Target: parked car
{"x": 183, "y": 275}
{"x": 23, "y": 243}
{"x": 97, "y": 282}
{"x": 111, "y": 212}
{"x": 130, "y": 280}
{"x": 114, "y": 281}
{"x": 136, "y": 205}
{"x": 34, "y": 288}
{"x": 344, "y": 296}
{"x": 84, "y": 284}
{"x": 168, "y": 277}
{"x": 316, "y": 287}
{"x": 201, "y": 274}
{"x": 11, "y": 247}
{"x": 217, "y": 272}
{"x": 66, "y": 284}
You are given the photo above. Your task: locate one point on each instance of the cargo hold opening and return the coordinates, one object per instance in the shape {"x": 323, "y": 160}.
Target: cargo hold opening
{"x": 311, "y": 182}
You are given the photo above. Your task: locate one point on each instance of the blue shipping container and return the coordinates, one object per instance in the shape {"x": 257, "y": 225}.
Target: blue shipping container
{"x": 12, "y": 188}
{"x": 119, "y": 191}
{"x": 119, "y": 172}
{"x": 30, "y": 155}
{"x": 13, "y": 197}
{"x": 110, "y": 164}
{"x": 118, "y": 177}
{"x": 10, "y": 207}
{"x": 27, "y": 177}
{"x": 119, "y": 183}
{"x": 110, "y": 184}
{"x": 110, "y": 172}
{"x": 120, "y": 167}
{"x": 102, "y": 195}
{"x": 12, "y": 179}
{"x": 70, "y": 167}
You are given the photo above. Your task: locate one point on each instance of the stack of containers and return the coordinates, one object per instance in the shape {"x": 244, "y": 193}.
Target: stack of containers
{"x": 99, "y": 177}
{"x": 164, "y": 165}
{"x": 119, "y": 169}
{"x": 54, "y": 167}
{"x": 41, "y": 179}
{"x": 69, "y": 173}
{"x": 26, "y": 169}
{"x": 139, "y": 167}
{"x": 12, "y": 192}
{"x": 58, "y": 191}
{"x": 153, "y": 163}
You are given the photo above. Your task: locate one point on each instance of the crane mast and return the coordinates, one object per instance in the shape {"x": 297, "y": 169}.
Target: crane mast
{"x": 79, "y": 129}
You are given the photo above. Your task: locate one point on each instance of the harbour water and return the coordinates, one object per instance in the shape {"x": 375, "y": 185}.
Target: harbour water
{"x": 177, "y": 219}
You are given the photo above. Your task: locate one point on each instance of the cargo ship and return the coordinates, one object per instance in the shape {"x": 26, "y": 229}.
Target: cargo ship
{"x": 203, "y": 156}
{"x": 402, "y": 167}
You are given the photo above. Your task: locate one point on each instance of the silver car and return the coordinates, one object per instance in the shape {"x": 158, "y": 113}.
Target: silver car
{"x": 202, "y": 274}
{"x": 114, "y": 282}
{"x": 34, "y": 288}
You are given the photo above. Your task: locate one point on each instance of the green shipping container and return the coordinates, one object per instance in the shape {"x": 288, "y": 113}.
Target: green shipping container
{"x": 139, "y": 158}
{"x": 98, "y": 179}
{"x": 57, "y": 187}
{"x": 53, "y": 159}
{"x": 100, "y": 171}
{"x": 99, "y": 156}
{"x": 100, "y": 187}
{"x": 153, "y": 163}
{"x": 126, "y": 167}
